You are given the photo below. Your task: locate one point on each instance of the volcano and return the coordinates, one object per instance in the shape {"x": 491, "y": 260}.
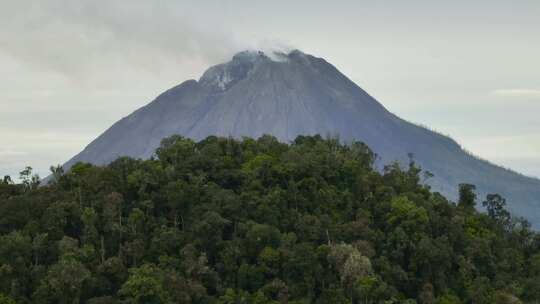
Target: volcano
{"x": 291, "y": 94}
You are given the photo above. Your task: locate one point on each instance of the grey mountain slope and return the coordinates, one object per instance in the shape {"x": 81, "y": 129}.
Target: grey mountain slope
{"x": 295, "y": 94}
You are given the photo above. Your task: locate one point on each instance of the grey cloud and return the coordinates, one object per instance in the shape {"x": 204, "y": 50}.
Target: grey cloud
{"x": 81, "y": 38}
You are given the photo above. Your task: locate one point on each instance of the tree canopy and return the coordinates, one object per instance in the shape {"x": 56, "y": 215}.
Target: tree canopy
{"x": 230, "y": 221}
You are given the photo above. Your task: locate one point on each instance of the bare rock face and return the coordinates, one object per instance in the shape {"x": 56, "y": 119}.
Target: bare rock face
{"x": 286, "y": 95}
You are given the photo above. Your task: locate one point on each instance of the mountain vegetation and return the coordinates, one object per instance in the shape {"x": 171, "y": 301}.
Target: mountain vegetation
{"x": 258, "y": 221}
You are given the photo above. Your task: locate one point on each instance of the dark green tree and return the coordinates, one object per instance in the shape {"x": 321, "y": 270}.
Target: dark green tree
{"x": 467, "y": 197}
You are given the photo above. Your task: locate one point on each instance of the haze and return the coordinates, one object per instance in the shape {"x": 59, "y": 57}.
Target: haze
{"x": 72, "y": 68}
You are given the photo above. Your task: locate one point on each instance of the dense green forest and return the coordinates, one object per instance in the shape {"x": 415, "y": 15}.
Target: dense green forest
{"x": 257, "y": 221}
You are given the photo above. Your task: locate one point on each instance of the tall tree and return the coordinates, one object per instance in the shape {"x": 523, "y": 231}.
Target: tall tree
{"x": 467, "y": 197}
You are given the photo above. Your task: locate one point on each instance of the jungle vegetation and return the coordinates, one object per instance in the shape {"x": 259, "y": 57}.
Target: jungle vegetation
{"x": 257, "y": 221}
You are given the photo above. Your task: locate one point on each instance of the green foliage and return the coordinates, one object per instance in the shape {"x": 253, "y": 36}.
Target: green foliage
{"x": 145, "y": 284}
{"x": 226, "y": 221}
{"x": 467, "y": 197}
{"x": 448, "y": 299}
{"x": 6, "y": 300}
{"x": 494, "y": 205}
{"x": 63, "y": 282}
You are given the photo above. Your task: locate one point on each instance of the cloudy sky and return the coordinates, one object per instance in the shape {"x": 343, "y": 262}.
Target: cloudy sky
{"x": 71, "y": 68}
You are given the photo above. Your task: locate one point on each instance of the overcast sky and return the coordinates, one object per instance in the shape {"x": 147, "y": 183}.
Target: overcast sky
{"x": 71, "y": 68}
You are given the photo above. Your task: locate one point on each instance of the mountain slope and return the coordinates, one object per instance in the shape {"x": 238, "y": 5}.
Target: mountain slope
{"x": 290, "y": 94}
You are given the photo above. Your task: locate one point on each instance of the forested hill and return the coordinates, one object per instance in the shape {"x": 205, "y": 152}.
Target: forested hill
{"x": 258, "y": 221}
